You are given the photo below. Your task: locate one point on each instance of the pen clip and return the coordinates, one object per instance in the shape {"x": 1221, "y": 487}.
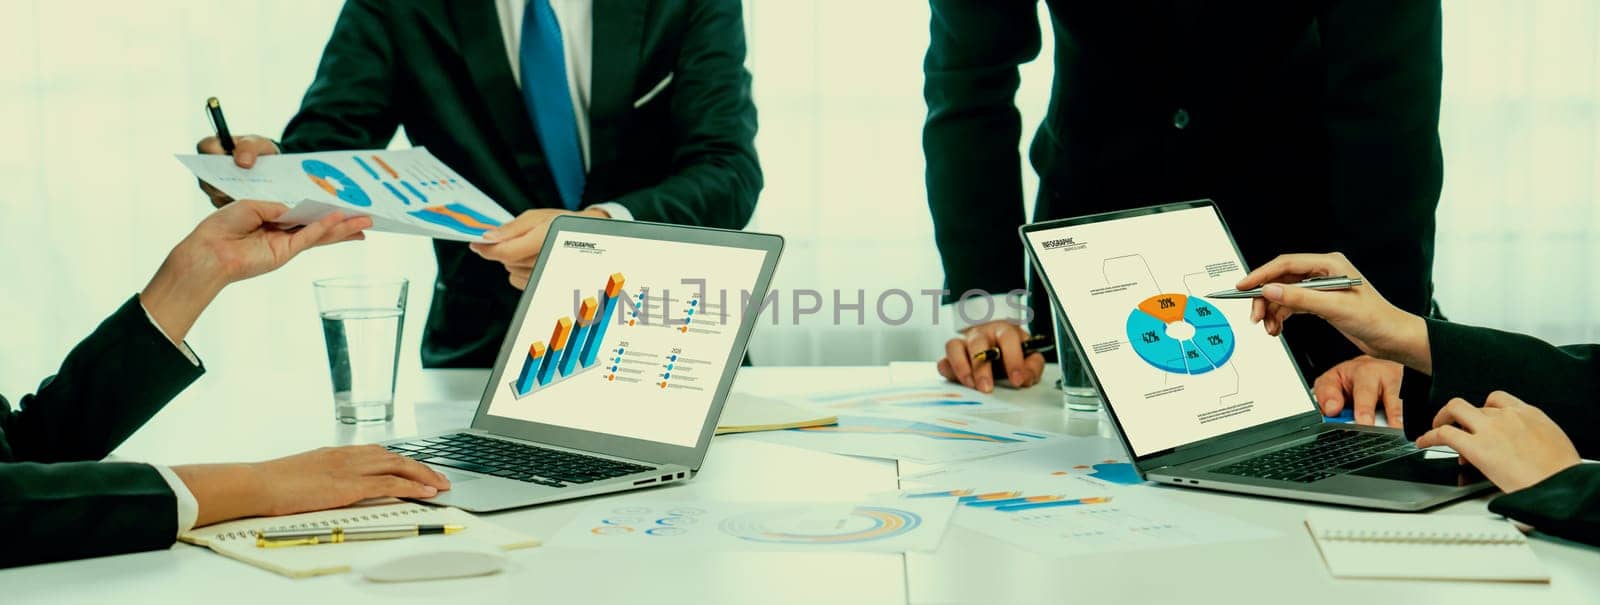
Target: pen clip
{"x": 211, "y": 112}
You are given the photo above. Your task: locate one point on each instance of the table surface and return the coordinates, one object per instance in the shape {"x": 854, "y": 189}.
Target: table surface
{"x": 225, "y": 418}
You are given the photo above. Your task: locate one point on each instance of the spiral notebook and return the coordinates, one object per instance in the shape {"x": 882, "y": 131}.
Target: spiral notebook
{"x": 237, "y": 539}
{"x": 1423, "y": 547}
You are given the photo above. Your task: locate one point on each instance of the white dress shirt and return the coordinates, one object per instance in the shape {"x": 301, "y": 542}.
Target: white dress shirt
{"x": 576, "y": 18}
{"x": 188, "y": 507}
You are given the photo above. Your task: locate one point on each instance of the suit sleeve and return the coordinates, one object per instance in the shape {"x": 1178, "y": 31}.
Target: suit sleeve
{"x": 716, "y": 177}
{"x": 108, "y": 386}
{"x": 970, "y": 139}
{"x": 1566, "y": 505}
{"x": 76, "y": 510}
{"x": 348, "y": 105}
{"x": 1381, "y": 114}
{"x": 1471, "y": 362}
{"x": 56, "y": 501}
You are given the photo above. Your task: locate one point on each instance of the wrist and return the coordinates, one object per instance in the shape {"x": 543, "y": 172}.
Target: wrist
{"x": 184, "y": 285}
{"x": 595, "y": 211}
{"x": 1409, "y": 344}
{"x": 224, "y": 491}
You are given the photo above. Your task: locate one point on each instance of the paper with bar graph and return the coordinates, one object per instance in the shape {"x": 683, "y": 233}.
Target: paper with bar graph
{"x": 627, "y": 337}
{"x": 1070, "y": 518}
{"x": 404, "y": 191}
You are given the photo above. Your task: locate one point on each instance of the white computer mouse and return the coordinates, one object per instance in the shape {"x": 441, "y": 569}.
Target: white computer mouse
{"x": 435, "y": 565}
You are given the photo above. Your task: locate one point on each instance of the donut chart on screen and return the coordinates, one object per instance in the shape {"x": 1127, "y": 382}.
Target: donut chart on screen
{"x": 1179, "y": 334}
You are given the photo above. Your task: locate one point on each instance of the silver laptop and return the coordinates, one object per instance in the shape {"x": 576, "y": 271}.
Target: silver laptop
{"x": 615, "y": 368}
{"x": 1200, "y": 396}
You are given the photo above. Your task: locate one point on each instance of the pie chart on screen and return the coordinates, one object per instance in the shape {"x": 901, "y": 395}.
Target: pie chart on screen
{"x": 335, "y": 182}
{"x": 1178, "y": 334}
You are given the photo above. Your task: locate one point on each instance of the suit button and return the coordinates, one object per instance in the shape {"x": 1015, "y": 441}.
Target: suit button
{"x": 1180, "y": 119}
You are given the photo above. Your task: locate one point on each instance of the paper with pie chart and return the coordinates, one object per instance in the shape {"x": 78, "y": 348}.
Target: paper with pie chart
{"x": 880, "y": 525}
{"x": 404, "y": 191}
{"x": 1176, "y": 367}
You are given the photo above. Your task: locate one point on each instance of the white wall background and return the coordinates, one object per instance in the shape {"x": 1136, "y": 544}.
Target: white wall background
{"x": 95, "y": 98}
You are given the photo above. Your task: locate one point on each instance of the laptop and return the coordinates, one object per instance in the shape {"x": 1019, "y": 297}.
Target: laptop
{"x": 615, "y": 368}
{"x": 1200, "y": 396}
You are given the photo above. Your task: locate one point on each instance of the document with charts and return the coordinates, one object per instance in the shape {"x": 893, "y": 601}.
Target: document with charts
{"x": 404, "y": 191}
{"x": 1069, "y": 516}
{"x": 879, "y": 525}
{"x": 927, "y": 440}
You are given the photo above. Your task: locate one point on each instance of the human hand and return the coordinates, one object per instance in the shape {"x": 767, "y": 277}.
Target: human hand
{"x": 1515, "y": 444}
{"x": 1362, "y": 381}
{"x": 320, "y": 479}
{"x": 957, "y": 365}
{"x": 1377, "y": 327}
{"x": 234, "y": 243}
{"x": 241, "y": 241}
{"x": 517, "y": 243}
{"x": 245, "y": 151}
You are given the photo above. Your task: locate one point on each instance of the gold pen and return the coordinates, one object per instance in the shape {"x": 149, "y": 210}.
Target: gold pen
{"x": 336, "y": 535}
{"x": 1037, "y": 343}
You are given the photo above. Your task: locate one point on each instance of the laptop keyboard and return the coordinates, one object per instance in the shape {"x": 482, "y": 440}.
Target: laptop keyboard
{"x": 1330, "y": 453}
{"x": 512, "y": 460}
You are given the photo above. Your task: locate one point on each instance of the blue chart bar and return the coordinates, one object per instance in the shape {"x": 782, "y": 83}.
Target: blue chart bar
{"x": 530, "y": 368}
{"x": 397, "y": 194}
{"x": 590, "y": 347}
{"x": 363, "y": 164}
{"x": 558, "y": 344}
{"x": 414, "y": 191}
{"x": 569, "y": 359}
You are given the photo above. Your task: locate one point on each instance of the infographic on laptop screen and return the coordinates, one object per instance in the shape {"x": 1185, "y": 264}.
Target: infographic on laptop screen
{"x": 627, "y": 336}
{"x": 1176, "y": 368}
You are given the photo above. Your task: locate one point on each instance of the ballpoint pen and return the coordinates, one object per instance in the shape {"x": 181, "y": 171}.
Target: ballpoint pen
{"x": 336, "y": 535}
{"x": 1038, "y": 343}
{"x": 1337, "y": 282}
{"x": 214, "y": 111}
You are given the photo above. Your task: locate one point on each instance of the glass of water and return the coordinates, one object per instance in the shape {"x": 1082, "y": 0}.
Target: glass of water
{"x": 1076, "y": 387}
{"x": 361, "y": 322}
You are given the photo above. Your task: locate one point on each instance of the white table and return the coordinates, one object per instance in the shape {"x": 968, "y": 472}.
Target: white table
{"x": 229, "y": 417}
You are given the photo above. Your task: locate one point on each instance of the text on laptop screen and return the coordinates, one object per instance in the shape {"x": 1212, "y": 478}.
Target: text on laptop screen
{"x": 626, "y": 336}
{"x": 1176, "y": 368}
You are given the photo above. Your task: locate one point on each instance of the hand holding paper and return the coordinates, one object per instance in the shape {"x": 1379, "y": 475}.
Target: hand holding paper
{"x": 406, "y": 191}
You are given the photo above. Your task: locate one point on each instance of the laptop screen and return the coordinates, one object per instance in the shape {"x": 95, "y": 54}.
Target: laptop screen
{"x": 1175, "y": 368}
{"x": 627, "y": 337}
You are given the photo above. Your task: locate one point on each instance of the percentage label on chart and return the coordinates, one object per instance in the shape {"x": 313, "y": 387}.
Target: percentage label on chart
{"x": 1149, "y": 337}
{"x": 1166, "y": 303}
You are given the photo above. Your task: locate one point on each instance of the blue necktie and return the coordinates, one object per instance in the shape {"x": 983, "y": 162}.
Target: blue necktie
{"x": 544, "y": 90}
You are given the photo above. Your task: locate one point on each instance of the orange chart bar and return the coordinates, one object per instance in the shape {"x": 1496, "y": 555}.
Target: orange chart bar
{"x": 558, "y": 343}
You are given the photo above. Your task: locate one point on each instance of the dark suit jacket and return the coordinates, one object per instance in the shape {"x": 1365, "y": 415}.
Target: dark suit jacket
{"x": 1314, "y": 125}
{"x": 1472, "y": 362}
{"x": 439, "y": 68}
{"x": 56, "y": 501}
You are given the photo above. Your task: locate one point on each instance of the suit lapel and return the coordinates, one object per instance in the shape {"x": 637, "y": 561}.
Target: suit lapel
{"x": 618, "y": 37}
{"x": 477, "y": 27}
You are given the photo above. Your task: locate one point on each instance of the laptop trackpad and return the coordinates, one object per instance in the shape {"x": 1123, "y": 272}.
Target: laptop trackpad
{"x": 1416, "y": 467}
{"x": 455, "y": 477}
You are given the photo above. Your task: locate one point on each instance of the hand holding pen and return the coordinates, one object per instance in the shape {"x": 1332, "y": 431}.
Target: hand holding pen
{"x": 244, "y": 149}
{"x": 1357, "y": 310}
{"x": 999, "y": 346}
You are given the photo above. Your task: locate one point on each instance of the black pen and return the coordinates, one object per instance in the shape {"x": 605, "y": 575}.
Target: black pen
{"x": 214, "y": 111}
{"x": 1038, "y": 343}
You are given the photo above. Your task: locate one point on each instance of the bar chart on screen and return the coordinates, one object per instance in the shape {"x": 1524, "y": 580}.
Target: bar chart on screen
{"x": 572, "y": 347}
